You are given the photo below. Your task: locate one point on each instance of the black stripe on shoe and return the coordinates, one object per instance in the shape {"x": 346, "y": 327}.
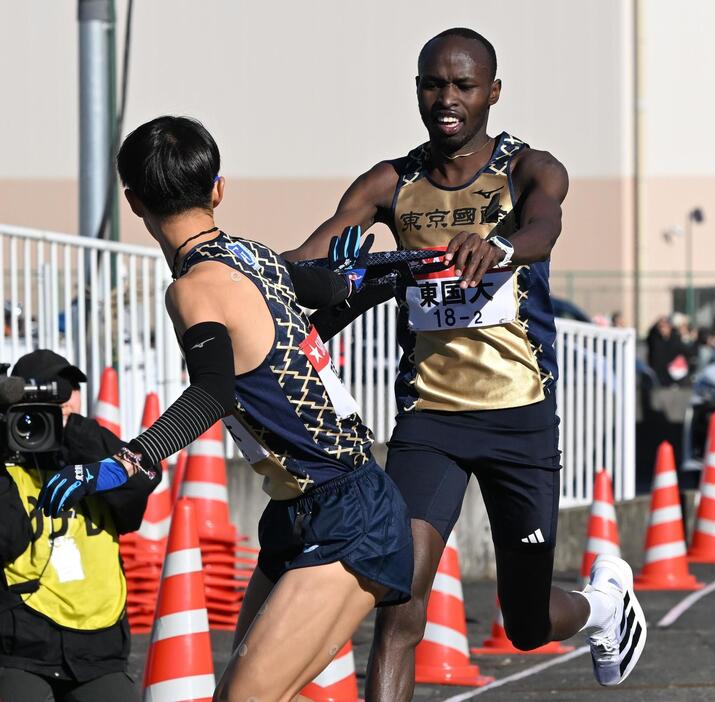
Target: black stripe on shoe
{"x": 627, "y": 658}
{"x": 629, "y": 626}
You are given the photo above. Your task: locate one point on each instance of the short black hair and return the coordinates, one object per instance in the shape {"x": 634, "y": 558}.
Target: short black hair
{"x": 170, "y": 164}
{"x": 465, "y": 33}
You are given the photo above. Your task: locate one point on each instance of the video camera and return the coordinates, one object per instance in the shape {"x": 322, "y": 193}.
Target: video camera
{"x": 30, "y": 414}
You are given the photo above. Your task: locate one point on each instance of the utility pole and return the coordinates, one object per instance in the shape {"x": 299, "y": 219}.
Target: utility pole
{"x": 696, "y": 216}
{"x": 639, "y": 161}
{"x": 96, "y": 118}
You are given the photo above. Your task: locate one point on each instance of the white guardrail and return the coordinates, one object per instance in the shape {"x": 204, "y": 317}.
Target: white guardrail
{"x": 121, "y": 322}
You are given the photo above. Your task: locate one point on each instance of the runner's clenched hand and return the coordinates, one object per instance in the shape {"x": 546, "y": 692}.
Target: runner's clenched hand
{"x": 472, "y": 256}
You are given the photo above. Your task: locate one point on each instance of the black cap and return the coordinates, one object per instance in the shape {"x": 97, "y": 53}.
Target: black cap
{"x": 43, "y": 365}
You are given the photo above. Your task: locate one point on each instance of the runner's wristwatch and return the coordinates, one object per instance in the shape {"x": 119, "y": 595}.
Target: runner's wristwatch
{"x": 505, "y": 245}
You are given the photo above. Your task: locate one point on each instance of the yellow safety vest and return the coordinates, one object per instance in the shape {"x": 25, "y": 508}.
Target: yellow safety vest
{"x": 75, "y": 557}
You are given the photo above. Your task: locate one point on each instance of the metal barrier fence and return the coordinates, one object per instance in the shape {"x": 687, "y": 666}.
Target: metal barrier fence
{"x": 120, "y": 321}
{"x": 596, "y": 398}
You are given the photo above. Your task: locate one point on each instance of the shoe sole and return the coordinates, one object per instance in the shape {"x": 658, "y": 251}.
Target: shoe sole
{"x": 638, "y": 627}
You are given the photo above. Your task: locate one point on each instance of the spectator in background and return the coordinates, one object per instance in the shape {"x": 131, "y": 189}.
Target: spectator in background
{"x": 6, "y": 343}
{"x": 688, "y": 337}
{"x": 64, "y": 635}
{"x": 7, "y": 318}
{"x": 666, "y": 352}
{"x": 705, "y": 349}
{"x": 684, "y": 329}
{"x": 617, "y": 320}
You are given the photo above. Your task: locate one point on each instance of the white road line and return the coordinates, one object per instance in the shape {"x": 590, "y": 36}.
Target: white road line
{"x": 518, "y": 676}
{"x": 684, "y": 605}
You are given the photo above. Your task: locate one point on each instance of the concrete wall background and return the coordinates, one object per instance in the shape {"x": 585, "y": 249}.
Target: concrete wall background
{"x": 286, "y": 91}
{"x": 303, "y": 100}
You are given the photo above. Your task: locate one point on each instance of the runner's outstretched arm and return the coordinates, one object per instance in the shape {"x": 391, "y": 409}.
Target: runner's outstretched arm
{"x": 366, "y": 201}
{"x": 543, "y": 183}
{"x": 207, "y": 346}
{"x": 317, "y": 287}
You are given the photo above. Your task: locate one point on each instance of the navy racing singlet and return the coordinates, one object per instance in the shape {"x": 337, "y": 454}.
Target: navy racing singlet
{"x": 294, "y": 420}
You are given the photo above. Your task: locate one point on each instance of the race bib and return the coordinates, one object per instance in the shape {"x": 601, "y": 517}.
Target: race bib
{"x": 437, "y": 302}
{"x": 314, "y": 349}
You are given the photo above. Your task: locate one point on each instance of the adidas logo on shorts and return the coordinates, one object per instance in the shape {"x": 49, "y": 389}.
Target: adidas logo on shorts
{"x": 536, "y": 537}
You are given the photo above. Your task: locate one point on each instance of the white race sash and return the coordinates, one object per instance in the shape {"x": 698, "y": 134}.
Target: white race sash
{"x": 246, "y": 443}
{"x": 315, "y": 351}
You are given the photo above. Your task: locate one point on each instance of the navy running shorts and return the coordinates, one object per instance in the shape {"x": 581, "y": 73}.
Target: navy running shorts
{"x": 512, "y": 452}
{"x": 359, "y": 519}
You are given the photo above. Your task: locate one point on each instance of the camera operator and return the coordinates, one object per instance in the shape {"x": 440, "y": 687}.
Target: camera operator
{"x": 64, "y": 634}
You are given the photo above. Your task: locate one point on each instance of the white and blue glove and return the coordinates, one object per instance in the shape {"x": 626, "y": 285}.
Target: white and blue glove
{"x": 66, "y": 488}
{"x": 347, "y": 257}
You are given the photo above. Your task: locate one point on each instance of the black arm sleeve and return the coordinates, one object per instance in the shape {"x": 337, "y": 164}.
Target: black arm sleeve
{"x": 317, "y": 287}
{"x": 330, "y": 321}
{"x": 209, "y": 360}
{"x": 15, "y": 527}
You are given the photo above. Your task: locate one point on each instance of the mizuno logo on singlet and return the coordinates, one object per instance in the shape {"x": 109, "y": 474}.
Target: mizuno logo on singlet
{"x": 487, "y": 194}
{"x": 200, "y": 345}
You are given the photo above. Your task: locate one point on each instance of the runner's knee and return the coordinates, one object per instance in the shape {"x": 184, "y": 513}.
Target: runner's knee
{"x": 403, "y": 625}
{"x": 524, "y": 595}
{"x": 525, "y": 609}
{"x": 526, "y": 634}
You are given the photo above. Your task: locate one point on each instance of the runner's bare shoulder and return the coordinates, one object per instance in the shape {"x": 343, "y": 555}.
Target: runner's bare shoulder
{"x": 199, "y": 292}
{"x": 379, "y": 183}
{"x": 532, "y": 166}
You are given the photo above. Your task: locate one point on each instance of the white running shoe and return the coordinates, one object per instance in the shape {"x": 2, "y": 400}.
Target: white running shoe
{"x": 616, "y": 648}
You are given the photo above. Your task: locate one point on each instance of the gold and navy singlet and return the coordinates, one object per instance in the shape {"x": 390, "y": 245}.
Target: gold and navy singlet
{"x": 488, "y": 347}
{"x": 294, "y": 421}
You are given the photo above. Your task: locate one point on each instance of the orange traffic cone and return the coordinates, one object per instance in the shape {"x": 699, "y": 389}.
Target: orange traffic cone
{"x": 666, "y": 567}
{"x": 143, "y": 551}
{"x": 178, "y": 476}
{"x": 602, "y": 526}
{"x": 179, "y": 663}
{"x": 226, "y": 574}
{"x": 157, "y": 516}
{"x": 442, "y": 657}
{"x": 499, "y": 643}
{"x": 337, "y": 683}
{"x": 702, "y": 548}
{"x": 205, "y": 483}
{"x": 106, "y": 409}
